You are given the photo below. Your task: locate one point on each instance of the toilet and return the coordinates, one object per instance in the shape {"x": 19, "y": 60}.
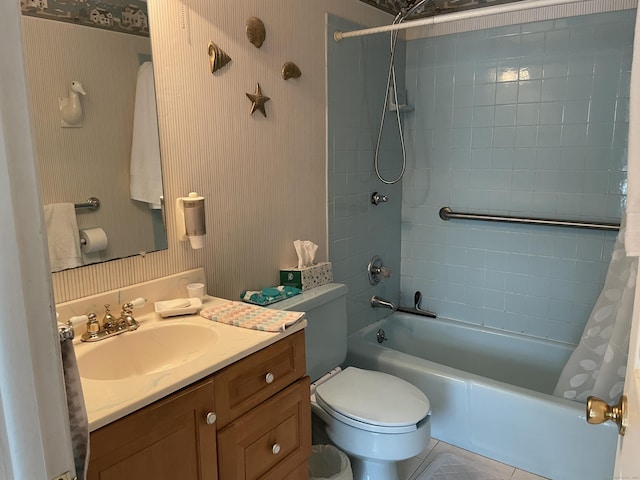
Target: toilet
{"x": 375, "y": 418}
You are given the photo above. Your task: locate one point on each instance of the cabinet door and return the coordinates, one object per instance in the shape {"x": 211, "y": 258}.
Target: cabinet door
{"x": 272, "y": 441}
{"x": 167, "y": 440}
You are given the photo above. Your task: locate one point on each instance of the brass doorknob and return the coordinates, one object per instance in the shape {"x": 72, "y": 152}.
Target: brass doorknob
{"x": 598, "y": 411}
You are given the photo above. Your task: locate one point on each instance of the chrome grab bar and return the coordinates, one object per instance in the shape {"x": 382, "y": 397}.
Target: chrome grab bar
{"x": 446, "y": 214}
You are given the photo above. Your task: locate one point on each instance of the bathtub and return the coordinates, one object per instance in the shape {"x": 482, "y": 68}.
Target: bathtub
{"x": 490, "y": 393}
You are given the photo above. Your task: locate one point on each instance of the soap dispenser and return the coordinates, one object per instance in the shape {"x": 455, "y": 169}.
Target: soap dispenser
{"x": 190, "y": 219}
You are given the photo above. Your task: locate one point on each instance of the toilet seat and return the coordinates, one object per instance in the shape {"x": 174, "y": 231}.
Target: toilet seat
{"x": 373, "y": 401}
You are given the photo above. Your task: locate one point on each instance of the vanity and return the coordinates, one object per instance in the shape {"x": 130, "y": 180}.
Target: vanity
{"x": 187, "y": 398}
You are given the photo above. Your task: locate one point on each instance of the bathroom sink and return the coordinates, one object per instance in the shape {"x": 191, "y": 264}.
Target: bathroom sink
{"x": 153, "y": 348}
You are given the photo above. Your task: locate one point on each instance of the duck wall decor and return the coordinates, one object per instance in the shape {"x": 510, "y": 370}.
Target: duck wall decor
{"x": 71, "y": 106}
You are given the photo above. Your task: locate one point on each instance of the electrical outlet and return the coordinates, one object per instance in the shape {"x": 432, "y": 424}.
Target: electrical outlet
{"x": 64, "y": 476}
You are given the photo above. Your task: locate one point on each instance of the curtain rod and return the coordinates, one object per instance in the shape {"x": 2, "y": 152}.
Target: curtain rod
{"x": 452, "y": 17}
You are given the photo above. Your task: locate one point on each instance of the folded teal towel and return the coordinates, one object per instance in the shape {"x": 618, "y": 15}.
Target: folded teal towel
{"x": 267, "y": 296}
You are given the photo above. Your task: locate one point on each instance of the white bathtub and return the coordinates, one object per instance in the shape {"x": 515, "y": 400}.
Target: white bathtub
{"x": 490, "y": 393}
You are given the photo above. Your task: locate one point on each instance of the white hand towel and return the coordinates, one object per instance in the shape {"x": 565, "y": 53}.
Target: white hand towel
{"x": 145, "y": 169}
{"x": 632, "y": 235}
{"x": 63, "y": 236}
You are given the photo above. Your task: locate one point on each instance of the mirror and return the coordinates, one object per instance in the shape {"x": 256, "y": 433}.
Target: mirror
{"x": 102, "y": 143}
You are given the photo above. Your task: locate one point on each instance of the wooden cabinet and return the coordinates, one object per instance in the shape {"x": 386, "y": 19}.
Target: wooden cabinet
{"x": 169, "y": 439}
{"x": 262, "y": 426}
{"x": 271, "y": 440}
{"x": 264, "y": 414}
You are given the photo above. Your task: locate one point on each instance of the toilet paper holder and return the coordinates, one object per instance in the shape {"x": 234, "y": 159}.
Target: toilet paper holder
{"x": 93, "y": 240}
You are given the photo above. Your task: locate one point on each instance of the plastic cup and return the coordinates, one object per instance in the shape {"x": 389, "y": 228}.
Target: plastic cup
{"x": 196, "y": 290}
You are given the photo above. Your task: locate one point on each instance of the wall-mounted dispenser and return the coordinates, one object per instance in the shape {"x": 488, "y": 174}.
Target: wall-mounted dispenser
{"x": 190, "y": 220}
{"x": 71, "y": 107}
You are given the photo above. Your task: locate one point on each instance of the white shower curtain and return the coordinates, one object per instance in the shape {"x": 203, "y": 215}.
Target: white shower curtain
{"x": 597, "y": 366}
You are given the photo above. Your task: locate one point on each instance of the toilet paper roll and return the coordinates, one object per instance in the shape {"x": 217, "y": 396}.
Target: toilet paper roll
{"x": 93, "y": 240}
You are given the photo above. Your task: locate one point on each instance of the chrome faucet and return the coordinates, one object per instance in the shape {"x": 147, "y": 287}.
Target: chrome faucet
{"x": 379, "y": 302}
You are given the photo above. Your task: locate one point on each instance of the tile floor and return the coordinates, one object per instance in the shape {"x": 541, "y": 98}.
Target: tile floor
{"x": 412, "y": 468}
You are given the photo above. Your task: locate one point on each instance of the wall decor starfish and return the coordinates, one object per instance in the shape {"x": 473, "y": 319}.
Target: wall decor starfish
{"x": 257, "y": 101}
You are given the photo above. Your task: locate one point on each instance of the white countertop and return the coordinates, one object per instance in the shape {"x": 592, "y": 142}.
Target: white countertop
{"x": 109, "y": 400}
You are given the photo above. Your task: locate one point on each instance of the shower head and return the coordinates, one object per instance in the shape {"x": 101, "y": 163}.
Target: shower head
{"x": 408, "y": 9}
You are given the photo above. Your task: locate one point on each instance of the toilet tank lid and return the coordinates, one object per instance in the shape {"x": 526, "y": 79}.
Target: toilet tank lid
{"x": 374, "y": 397}
{"x": 312, "y": 298}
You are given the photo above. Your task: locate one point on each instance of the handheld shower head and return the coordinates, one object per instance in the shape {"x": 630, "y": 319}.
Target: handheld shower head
{"x": 409, "y": 8}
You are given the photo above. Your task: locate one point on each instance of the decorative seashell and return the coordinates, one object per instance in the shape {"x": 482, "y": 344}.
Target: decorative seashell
{"x": 290, "y": 70}
{"x": 256, "y": 33}
{"x": 217, "y": 57}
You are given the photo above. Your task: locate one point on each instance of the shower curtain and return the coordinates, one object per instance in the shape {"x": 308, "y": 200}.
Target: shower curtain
{"x": 598, "y": 364}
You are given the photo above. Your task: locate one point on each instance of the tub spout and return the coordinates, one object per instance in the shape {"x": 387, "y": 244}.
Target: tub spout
{"x": 379, "y": 302}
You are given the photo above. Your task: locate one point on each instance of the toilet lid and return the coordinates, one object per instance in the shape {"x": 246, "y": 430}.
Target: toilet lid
{"x": 374, "y": 398}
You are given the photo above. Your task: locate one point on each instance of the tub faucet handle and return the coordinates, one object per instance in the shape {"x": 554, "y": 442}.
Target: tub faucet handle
{"x": 377, "y": 271}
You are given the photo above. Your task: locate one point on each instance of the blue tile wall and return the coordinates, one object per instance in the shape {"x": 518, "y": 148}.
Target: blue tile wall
{"x": 357, "y": 72}
{"x": 522, "y": 120}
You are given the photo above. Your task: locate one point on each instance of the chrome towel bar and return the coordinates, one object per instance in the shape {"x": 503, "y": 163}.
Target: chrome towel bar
{"x": 446, "y": 214}
{"x": 65, "y": 332}
{"x": 92, "y": 204}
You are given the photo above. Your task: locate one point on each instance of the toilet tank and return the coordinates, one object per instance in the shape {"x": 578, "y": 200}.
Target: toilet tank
{"x": 326, "y": 333}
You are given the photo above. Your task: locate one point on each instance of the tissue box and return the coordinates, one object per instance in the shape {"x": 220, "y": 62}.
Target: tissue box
{"x": 307, "y": 277}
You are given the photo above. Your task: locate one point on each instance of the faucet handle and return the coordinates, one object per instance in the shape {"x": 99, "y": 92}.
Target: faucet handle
{"x": 384, "y": 272}
{"x": 377, "y": 271}
{"x": 136, "y": 303}
{"x": 94, "y": 332}
{"x": 92, "y": 323}
{"x": 126, "y": 317}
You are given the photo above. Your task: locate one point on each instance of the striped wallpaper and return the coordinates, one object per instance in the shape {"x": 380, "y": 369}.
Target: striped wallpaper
{"x": 264, "y": 179}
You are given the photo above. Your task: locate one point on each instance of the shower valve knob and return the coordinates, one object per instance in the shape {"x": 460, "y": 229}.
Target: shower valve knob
{"x": 377, "y": 271}
{"x": 376, "y": 198}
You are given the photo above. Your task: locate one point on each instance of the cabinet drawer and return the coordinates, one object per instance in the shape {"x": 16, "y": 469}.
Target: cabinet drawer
{"x": 271, "y": 441}
{"x": 249, "y": 382}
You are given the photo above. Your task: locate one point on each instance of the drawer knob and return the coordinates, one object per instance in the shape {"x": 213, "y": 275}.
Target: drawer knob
{"x": 210, "y": 418}
{"x": 269, "y": 378}
{"x": 276, "y": 448}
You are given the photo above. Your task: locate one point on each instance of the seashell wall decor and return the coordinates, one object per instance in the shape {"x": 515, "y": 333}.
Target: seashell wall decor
{"x": 290, "y": 70}
{"x": 256, "y": 33}
{"x": 218, "y": 58}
